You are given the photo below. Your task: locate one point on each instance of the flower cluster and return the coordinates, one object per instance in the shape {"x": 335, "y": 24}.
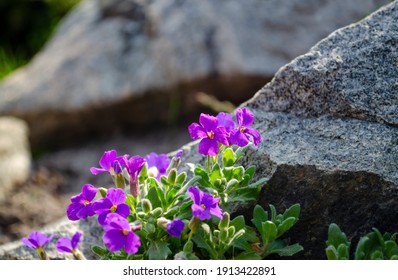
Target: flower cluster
{"x": 222, "y": 130}
{"x": 153, "y": 211}
{"x": 38, "y": 240}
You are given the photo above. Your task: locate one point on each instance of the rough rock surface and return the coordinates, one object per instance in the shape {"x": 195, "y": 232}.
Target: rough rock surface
{"x": 15, "y": 158}
{"x": 328, "y": 144}
{"x": 124, "y": 63}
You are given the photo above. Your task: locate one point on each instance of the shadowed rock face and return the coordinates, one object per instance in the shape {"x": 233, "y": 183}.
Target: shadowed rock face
{"x": 327, "y": 144}
{"x": 110, "y": 59}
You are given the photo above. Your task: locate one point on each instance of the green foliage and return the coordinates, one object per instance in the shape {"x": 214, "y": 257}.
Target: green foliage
{"x": 27, "y": 25}
{"x": 273, "y": 226}
{"x": 372, "y": 246}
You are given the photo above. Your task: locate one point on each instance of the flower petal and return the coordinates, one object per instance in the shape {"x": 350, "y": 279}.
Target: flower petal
{"x": 101, "y": 205}
{"x": 76, "y": 239}
{"x": 255, "y": 135}
{"x": 85, "y": 212}
{"x": 221, "y": 136}
{"x": 123, "y": 210}
{"x": 208, "y": 147}
{"x": 116, "y": 196}
{"x": 244, "y": 117}
{"x": 114, "y": 240}
{"x": 196, "y": 131}
{"x": 225, "y": 120}
{"x": 198, "y": 211}
{"x": 132, "y": 244}
{"x": 64, "y": 245}
{"x": 238, "y": 138}
{"x": 95, "y": 170}
{"x": 107, "y": 159}
{"x": 195, "y": 194}
{"x": 72, "y": 210}
{"x": 102, "y": 217}
{"x": 89, "y": 191}
{"x": 208, "y": 122}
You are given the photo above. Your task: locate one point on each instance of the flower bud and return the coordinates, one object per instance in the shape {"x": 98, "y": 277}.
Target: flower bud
{"x": 119, "y": 181}
{"x": 162, "y": 222}
{"x": 103, "y": 192}
{"x": 146, "y": 205}
{"x": 172, "y": 176}
{"x": 157, "y": 212}
{"x": 224, "y": 222}
{"x": 136, "y": 226}
{"x": 188, "y": 247}
{"x": 194, "y": 224}
{"x": 224, "y": 235}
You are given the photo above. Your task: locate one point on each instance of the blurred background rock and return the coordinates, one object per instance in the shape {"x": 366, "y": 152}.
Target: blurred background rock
{"x": 131, "y": 74}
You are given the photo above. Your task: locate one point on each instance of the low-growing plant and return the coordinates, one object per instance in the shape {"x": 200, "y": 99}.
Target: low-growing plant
{"x": 372, "y": 246}
{"x": 155, "y": 211}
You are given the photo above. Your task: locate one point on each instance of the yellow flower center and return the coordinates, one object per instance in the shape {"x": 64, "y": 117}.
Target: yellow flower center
{"x": 210, "y": 134}
{"x": 203, "y": 206}
{"x": 113, "y": 208}
{"x": 86, "y": 202}
{"x": 242, "y": 129}
{"x": 125, "y": 232}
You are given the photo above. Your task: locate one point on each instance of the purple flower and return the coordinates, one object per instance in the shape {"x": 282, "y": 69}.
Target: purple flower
{"x": 114, "y": 202}
{"x": 210, "y": 134}
{"x": 179, "y": 153}
{"x": 204, "y": 204}
{"x": 175, "y": 227}
{"x": 118, "y": 235}
{"x": 110, "y": 163}
{"x": 66, "y": 245}
{"x": 134, "y": 166}
{"x": 81, "y": 206}
{"x": 243, "y": 135}
{"x": 37, "y": 240}
{"x": 225, "y": 120}
{"x": 157, "y": 164}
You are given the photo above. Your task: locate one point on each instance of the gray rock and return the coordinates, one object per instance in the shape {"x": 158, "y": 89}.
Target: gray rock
{"x": 352, "y": 73}
{"x": 15, "y": 157}
{"x": 93, "y": 75}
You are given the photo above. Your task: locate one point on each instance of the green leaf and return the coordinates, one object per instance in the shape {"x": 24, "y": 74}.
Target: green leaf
{"x": 185, "y": 256}
{"x": 238, "y": 172}
{"x": 336, "y": 236}
{"x": 292, "y": 211}
{"x": 250, "y": 171}
{"x": 100, "y": 251}
{"x": 172, "y": 176}
{"x": 286, "y": 225}
{"x": 331, "y": 253}
{"x": 362, "y": 247}
{"x": 377, "y": 255}
{"x": 259, "y": 216}
{"x": 228, "y": 157}
{"x": 273, "y": 212}
{"x": 154, "y": 198}
{"x": 215, "y": 173}
{"x": 181, "y": 178}
{"x": 288, "y": 251}
{"x": 238, "y": 222}
{"x": 248, "y": 256}
{"x": 269, "y": 232}
{"x": 245, "y": 194}
{"x": 241, "y": 151}
{"x": 204, "y": 177}
{"x": 158, "y": 250}
{"x": 343, "y": 252}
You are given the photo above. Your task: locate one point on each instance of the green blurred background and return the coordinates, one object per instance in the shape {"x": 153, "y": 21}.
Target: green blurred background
{"x": 25, "y": 27}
